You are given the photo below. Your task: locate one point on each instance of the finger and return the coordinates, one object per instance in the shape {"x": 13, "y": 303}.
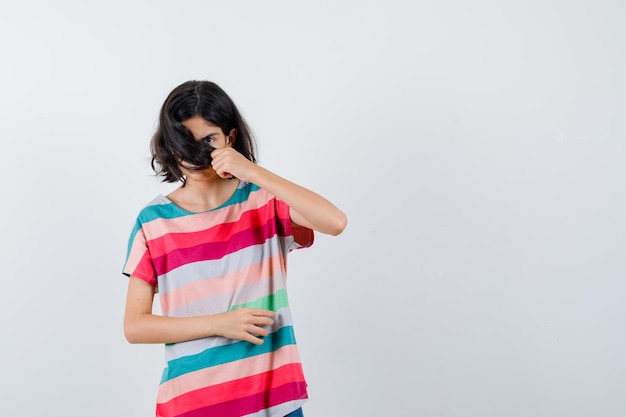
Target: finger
{"x": 258, "y": 331}
{"x": 220, "y": 172}
{"x": 254, "y": 340}
{"x": 261, "y": 312}
{"x": 262, "y": 321}
{"x": 250, "y": 337}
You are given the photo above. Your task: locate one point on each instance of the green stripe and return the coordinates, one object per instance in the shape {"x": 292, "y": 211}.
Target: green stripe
{"x": 228, "y": 353}
{"x": 272, "y": 302}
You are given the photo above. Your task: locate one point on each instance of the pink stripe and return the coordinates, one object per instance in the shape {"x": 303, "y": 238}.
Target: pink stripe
{"x": 239, "y": 389}
{"x": 214, "y": 249}
{"x": 168, "y": 234}
{"x": 137, "y": 251}
{"x": 218, "y": 233}
{"x": 215, "y": 286}
{"x": 200, "y": 221}
{"x": 144, "y": 270}
{"x": 227, "y": 372}
{"x": 254, "y": 403}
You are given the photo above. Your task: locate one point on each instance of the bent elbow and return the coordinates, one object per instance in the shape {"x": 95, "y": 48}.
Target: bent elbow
{"x": 130, "y": 339}
{"x": 130, "y": 333}
{"x": 340, "y": 225}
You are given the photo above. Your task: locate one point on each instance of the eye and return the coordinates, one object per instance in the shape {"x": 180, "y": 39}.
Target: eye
{"x": 208, "y": 139}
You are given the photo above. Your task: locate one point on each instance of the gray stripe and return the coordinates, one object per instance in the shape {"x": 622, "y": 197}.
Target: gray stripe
{"x": 192, "y": 272}
{"x": 219, "y": 303}
{"x": 280, "y": 410}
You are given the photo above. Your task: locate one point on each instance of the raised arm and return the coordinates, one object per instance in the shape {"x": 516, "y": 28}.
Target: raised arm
{"x": 308, "y": 208}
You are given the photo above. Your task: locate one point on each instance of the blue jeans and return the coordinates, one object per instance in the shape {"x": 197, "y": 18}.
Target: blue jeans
{"x": 297, "y": 413}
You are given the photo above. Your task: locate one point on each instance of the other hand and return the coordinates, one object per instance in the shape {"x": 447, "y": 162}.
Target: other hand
{"x": 245, "y": 324}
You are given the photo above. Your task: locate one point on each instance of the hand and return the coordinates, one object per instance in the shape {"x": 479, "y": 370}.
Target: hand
{"x": 245, "y": 324}
{"x": 228, "y": 163}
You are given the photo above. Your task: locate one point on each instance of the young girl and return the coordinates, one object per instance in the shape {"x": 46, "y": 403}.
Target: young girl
{"x": 215, "y": 249}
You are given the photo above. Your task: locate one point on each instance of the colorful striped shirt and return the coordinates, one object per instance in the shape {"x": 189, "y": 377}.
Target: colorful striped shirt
{"x": 212, "y": 262}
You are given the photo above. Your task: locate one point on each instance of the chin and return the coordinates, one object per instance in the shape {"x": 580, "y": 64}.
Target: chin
{"x": 199, "y": 175}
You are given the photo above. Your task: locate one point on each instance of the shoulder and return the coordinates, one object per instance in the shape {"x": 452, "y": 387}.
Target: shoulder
{"x": 248, "y": 190}
{"x": 257, "y": 196}
{"x": 248, "y": 187}
{"x": 158, "y": 207}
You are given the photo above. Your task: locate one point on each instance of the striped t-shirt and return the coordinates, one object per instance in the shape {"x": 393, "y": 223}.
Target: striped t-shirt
{"x": 211, "y": 262}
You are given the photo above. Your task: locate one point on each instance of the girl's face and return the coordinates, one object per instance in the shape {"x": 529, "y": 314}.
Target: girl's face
{"x": 207, "y": 133}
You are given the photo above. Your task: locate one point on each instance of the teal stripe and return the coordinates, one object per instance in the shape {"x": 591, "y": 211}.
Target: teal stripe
{"x": 172, "y": 211}
{"x": 228, "y": 353}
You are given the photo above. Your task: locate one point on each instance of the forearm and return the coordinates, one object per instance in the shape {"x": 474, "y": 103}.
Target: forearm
{"x": 320, "y": 213}
{"x": 150, "y": 328}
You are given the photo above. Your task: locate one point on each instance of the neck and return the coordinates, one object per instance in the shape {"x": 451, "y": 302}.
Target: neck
{"x": 206, "y": 194}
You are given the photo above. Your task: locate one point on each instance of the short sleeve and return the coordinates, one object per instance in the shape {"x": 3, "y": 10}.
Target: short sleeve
{"x": 303, "y": 236}
{"x": 300, "y": 236}
{"x": 138, "y": 260}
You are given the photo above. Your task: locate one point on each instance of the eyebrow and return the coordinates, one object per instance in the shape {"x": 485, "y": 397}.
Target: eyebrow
{"x": 208, "y": 136}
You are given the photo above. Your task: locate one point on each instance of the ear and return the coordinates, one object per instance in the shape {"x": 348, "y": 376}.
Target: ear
{"x": 232, "y": 136}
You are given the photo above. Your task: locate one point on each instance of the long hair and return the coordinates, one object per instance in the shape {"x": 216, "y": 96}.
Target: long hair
{"x": 173, "y": 142}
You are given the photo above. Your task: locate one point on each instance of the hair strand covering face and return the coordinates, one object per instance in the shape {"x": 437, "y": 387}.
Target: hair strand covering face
{"x": 173, "y": 142}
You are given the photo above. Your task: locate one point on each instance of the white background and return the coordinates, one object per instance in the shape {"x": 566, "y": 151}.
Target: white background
{"x": 478, "y": 148}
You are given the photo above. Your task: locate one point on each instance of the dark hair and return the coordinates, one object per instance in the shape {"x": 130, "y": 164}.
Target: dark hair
{"x": 173, "y": 142}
